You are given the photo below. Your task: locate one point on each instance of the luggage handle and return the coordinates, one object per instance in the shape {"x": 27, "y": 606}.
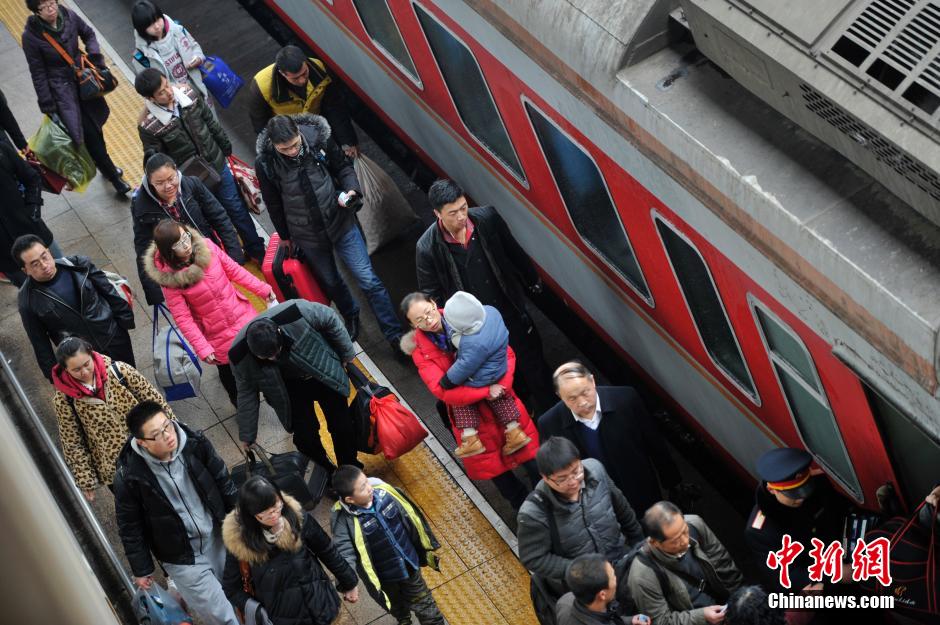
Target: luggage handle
{"x": 359, "y": 380}
{"x": 265, "y": 459}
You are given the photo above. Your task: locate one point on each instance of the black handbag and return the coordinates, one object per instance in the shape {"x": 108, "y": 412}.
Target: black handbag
{"x": 367, "y": 438}
{"x": 198, "y": 167}
{"x": 286, "y": 471}
{"x": 93, "y": 81}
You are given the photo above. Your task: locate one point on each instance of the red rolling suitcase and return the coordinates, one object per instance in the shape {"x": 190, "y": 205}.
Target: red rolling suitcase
{"x": 289, "y": 275}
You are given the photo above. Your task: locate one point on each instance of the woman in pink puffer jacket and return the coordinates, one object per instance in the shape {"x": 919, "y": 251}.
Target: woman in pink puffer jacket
{"x": 198, "y": 281}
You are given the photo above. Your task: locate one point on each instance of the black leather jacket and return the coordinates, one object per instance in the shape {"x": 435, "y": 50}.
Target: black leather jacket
{"x": 47, "y": 319}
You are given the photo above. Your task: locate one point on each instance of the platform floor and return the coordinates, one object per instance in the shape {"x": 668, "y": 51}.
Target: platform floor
{"x": 481, "y": 580}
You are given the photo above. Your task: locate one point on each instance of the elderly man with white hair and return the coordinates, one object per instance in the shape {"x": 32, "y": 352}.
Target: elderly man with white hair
{"x": 611, "y": 425}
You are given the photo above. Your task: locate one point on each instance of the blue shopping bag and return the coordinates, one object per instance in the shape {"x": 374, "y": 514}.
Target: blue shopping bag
{"x": 157, "y": 606}
{"x": 220, "y": 80}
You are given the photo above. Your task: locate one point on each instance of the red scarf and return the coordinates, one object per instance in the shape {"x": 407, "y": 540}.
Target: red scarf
{"x": 64, "y": 381}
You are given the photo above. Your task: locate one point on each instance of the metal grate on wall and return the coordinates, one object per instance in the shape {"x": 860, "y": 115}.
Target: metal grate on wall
{"x": 895, "y": 44}
{"x": 874, "y": 142}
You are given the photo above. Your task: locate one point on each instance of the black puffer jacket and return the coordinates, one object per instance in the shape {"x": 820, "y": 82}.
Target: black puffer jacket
{"x": 288, "y": 579}
{"x": 147, "y": 522}
{"x": 200, "y": 210}
{"x": 437, "y": 271}
{"x": 47, "y": 318}
{"x": 293, "y": 188}
{"x": 20, "y": 209}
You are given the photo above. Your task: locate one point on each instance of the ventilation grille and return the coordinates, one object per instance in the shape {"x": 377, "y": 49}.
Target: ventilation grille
{"x": 881, "y": 148}
{"x": 895, "y": 44}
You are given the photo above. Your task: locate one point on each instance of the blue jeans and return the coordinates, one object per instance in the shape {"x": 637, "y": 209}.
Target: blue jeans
{"x": 231, "y": 200}
{"x": 351, "y": 249}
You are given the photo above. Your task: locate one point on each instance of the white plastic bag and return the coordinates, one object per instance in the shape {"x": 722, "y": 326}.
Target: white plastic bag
{"x": 385, "y": 212}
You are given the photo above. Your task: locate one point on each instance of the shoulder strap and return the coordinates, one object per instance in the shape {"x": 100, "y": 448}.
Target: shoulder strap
{"x": 81, "y": 426}
{"x": 644, "y": 557}
{"x": 119, "y": 375}
{"x": 55, "y": 44}
{"x": 546, "y": 506}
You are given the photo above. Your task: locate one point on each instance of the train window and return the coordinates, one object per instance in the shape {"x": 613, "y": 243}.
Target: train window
{"x": 909, "y": 447}
{"x": 380, "y": 25}
{"x": 788, "y": 347}
{"x": 468, "y": 88}
{"x": 587, "y": 199}
{"x": 806, "y": 398}
{"x": 704, "y": 302}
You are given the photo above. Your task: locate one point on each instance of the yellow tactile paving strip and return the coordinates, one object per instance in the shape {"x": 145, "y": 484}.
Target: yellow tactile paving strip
{"x": 481, "y": 581}
{"x": 120, "y": 132}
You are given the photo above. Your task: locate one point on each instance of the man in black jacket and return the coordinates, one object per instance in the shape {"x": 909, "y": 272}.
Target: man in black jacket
{"x": 165, "y": 192}
{"x": 312, "y": 194}
{"x": 611, "y": 425}
{"x": 69, "y": 296}
{"x": 471, "y": 249}
{"x": 171, "y": 494}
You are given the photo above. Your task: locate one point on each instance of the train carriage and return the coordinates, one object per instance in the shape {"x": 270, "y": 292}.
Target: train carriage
{"x": 770, "y": 282}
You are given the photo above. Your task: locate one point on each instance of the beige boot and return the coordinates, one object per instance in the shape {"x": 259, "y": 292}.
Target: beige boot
{"x": 516, "y": 439}
{"x": 469, "y": 446}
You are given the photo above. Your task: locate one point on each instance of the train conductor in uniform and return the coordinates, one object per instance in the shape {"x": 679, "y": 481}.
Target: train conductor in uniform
{"x": 611, "y": 425}
{"x": 792, "y": 499}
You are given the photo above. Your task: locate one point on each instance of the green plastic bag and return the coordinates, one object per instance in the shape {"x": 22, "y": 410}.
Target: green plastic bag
{"x": 54, "y": 149}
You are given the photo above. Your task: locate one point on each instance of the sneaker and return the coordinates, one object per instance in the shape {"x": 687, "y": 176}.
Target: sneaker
{"x": 470, "y": 446}
{"x": 516, "y": 439}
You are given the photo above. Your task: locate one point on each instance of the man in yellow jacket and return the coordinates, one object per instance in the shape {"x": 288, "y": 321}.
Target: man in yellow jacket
{"x": 386, "y": 538}
{"x": 296, "y": 84}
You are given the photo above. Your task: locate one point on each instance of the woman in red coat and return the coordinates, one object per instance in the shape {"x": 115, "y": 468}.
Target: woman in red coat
{"x": 433, "y": 354}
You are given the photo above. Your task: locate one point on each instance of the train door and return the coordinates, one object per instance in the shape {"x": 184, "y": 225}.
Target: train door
{"x": 914, "y": 454}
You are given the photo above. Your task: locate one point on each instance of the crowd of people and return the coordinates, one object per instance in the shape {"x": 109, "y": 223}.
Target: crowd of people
{"x": 597, "y": 526}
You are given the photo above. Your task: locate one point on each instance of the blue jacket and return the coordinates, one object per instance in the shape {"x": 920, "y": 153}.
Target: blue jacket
{"x": 481, "y": 357}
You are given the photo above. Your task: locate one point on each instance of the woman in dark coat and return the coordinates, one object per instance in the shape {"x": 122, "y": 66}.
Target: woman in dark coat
{"x": 283, "y": 546}
{"x": 56, "y": 85}
{"x": 20, "y": 214}
{"x": 165, "y": 192}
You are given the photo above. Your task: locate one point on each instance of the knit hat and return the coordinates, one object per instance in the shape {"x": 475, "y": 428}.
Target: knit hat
{"x": 464, "y": 314}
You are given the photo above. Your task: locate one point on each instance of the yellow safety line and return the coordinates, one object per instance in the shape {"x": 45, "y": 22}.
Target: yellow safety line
{"x": 120, "y": 132}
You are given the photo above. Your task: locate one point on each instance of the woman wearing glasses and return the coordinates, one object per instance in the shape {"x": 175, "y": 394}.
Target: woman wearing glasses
{"x": 277, "y": 549}
{"x": 434, "y": 354}
{"x": 198, "y": 282}
{"x": 166, "y": 193}
{"x": 56, "y": 84}
{"x": 93, "y": 395}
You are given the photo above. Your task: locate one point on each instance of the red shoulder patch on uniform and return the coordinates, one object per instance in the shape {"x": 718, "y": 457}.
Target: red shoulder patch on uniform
{"x": 759, "y": 519}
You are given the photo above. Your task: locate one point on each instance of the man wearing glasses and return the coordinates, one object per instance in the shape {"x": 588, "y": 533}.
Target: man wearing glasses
{"x": 575, "y": 509}
{"x": 172, "y": 492}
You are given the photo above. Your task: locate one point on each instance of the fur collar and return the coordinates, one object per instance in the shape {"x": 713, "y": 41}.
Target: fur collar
{"x": 305, "y": 121}
{"x": 167, "y": 277}
{"x": 408, "y": 343}
{"x": 232, "y": 536}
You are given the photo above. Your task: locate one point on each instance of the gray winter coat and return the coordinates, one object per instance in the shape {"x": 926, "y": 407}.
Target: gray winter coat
{"x": 54, "y": 79}
{"x": 292, "y": 187}
{"x": 718, "y": 567}
{"x": 601, "y": 521}
{"x": 320, "y": 345}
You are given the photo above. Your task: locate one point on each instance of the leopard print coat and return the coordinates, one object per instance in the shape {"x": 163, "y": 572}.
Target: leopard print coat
{"x": 95, "y": 432}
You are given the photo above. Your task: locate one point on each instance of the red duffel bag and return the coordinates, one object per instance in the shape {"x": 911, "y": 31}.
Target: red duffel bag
{"x": 915, "y": 569}
{"x": 398, "y": 428}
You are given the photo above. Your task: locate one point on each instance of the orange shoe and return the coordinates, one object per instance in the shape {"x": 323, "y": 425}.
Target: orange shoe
{"x": 470, "y": 446}
{"x": 516, "y": 439}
